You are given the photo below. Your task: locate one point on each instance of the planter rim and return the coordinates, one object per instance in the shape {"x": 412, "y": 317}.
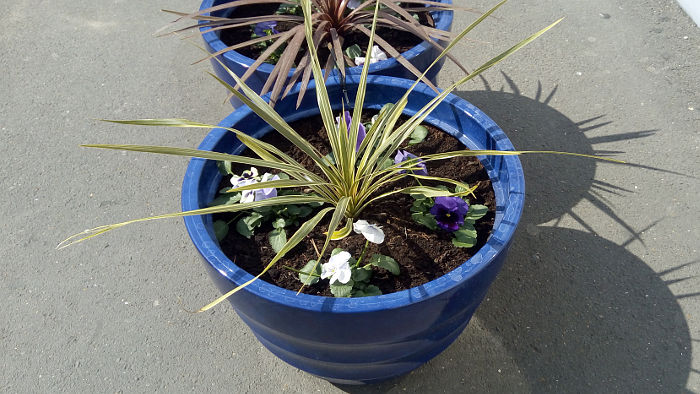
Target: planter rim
{"x": 502, "y": 232}
{"x": 213, "y": 40}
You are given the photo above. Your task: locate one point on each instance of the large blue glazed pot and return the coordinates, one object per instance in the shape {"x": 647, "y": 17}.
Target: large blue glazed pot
{"x": 362, "y": 340}
{"x": 421, "y": 56}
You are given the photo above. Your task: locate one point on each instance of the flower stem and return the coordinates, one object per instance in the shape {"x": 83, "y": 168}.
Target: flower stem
{"x": 362, "y": 254}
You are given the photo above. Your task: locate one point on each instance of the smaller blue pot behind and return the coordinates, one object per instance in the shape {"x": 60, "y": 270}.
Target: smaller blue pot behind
{"x": 369, "y": 339}
{"x": 420, "y": 56}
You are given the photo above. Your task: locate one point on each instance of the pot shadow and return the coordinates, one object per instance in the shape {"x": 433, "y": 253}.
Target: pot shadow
{"x": 575, "y": 313}
{"x": 554, "y": 184}
{"x": 570, "y": 311}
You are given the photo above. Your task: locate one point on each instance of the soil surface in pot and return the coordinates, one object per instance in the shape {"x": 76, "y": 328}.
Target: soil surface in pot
{"x": 422, "y": 254}
{"x": 400, "y": 40}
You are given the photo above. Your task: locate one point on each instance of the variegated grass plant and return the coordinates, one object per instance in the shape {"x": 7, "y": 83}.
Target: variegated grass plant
{"x": 345, "y": 187}
{"x": 332, "y": 22}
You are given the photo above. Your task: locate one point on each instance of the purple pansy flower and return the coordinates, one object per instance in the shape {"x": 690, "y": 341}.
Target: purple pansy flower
{"x": 402, "y": 156}
{"x": 449, "y": 212}
{"x": 361, "y": 134}
{"x": 260, "y": 28}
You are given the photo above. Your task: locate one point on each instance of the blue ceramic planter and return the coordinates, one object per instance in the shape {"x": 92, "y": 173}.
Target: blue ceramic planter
{"x": 362, "y": 340}
{"x": 420, "y": 56}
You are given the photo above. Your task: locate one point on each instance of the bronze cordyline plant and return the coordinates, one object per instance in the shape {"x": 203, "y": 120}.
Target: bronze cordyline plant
{"x": 332, "y": 21}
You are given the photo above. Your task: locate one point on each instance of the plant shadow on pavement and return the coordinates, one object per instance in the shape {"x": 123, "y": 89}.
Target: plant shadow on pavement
{"x": 570, "y": 311}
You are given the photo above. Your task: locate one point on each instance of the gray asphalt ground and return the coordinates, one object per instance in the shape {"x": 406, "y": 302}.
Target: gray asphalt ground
{"x": 600, "y": 291}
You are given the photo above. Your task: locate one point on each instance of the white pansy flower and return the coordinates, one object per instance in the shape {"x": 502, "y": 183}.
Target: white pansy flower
{"x": 257, "y": 194}
{"x": 248, "y": 177}
{"x": 247, "y": 195}
{"x": 337, "y": 268}
{"x": 375, "y": 56}
{"x": 245, "y": 176}
{"x": 352, "y": 4}
{"x": 372, "y": 232}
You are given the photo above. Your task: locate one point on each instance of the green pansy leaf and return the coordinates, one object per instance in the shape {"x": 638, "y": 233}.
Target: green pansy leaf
{"x": 224, "y": 167}
{"x": 353, "y": 51}
{"x": 288, "y": 9}
{"x": 304, "y": 211}
{"x": 465, "y": 237}
{"x": 466, "y": 232}
{"x": 422, "y": 205}
{"x": 329, "y": 159}
{"x": 476, "y": 211}
{"x": 386, "y": 163}
{"x": 425, "y": 219}
{"x": 460, "y": 189}
{"x": 341, "y": 290}
{"x": 220, "y": 229}
{"x": 253, "y": 220}
{"x": 386, "y": 262}
{"x": 226, "y": 199}
{"x": 243, "y": 229}
{"x": 418, "y": 135}
{"x": 293, "y": 210}
{"x": 463, "y": 244}
{"x": 309, "y": 268}
{"x": 279, "y": 223}
{"x": 282, "y": 176}
{"x": 369, "y": 291}
{"x": 358, "y": 286}
{"x": 264, "y": 211}
{"x": 418, "y": 197}
{"x": 361, "y": 274}
{"x": 277, "y": 238}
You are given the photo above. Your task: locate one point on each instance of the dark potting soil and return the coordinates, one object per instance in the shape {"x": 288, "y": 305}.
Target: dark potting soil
{"x": 400, "y": 40}
{"x": 422, "y": 254}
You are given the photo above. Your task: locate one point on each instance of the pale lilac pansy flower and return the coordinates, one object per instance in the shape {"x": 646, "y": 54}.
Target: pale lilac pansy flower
{"x": 402, "y": 155}
{"x": 376, "y": 55}
{"x": 371, "y": 232}
{"x": 361, "y": 133}
{"x": 268, "y": 192}
{"x": 337, "y": 268}
{"x": 352, "y": 4}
